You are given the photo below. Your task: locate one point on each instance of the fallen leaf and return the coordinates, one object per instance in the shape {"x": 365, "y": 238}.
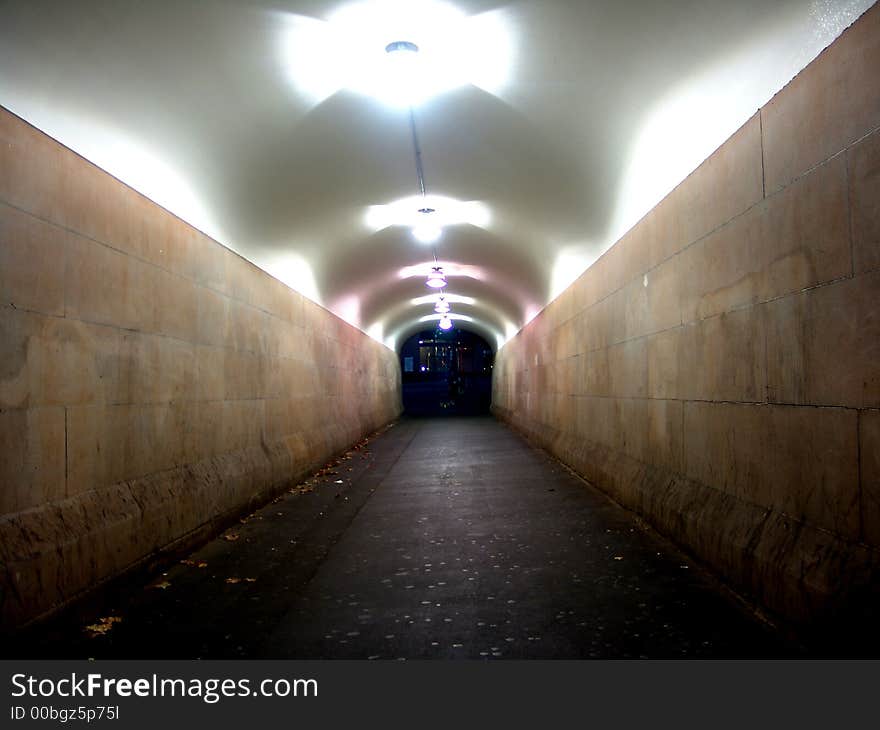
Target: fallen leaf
{"x": 231, "y": 536}
{"x": 233, "y": 581}
{"x": 250, "y": 580}
{"x": 103, "y": 626}
{"x": 163, "y": 585}
{"x": 202, "y": 565}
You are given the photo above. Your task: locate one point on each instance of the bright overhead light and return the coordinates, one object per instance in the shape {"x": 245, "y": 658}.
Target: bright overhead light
{"x": 403, "y": 47}
{"x": 426, "y": 233}
{"x": 451, "y": 298}
{"x": 441, "y": 306}
{"x": 450, "y": 268}
{"x": 444, "y": 212}
{"x": 458, "y": 317}
{"x": 404, "y": 52}
{"x": 402, "y": 72}
{"x": 401, "y": 52}
{"x": 445, "y": 322}
{"x": 436, "y": 279}
{"x": 427, "y": 230}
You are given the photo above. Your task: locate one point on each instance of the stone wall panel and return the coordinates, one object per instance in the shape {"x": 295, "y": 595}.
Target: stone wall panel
{"x": 153, "y": 384}
{"x": 727, "y": 385}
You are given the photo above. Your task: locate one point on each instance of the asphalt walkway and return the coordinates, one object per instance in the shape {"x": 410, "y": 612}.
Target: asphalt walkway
{"x": 439, "y": 538}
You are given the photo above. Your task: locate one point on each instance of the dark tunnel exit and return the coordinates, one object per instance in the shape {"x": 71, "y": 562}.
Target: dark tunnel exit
{"x": 446, "y": 373}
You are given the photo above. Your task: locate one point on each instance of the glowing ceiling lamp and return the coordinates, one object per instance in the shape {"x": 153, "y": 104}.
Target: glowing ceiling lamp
{"x": 445, "y": 323}
{"x": 445, "y": 212}
{"x": 441, "y": 306}
{"x": 402, "y": 49}
{"x": 436, "y": 279}
{"x": 427, "y": 229}
{"x": 400, "y": 52}
{"x": 402, "y": 72}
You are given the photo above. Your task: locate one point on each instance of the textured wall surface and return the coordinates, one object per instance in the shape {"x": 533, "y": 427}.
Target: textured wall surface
{"x": 152, "y": 383}
{"x": 718, "y": 369}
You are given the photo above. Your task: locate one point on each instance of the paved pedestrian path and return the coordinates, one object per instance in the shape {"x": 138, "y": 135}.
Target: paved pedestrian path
{"x": 441, "y": 538}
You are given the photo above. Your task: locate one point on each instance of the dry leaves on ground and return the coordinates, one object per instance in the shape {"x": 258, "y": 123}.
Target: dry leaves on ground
{"x": 194, "y": 564}
{"x": 102, "y": 627}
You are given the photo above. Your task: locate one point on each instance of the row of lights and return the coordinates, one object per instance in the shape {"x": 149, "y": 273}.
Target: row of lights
{"x": 427, "y": 228}
{"x": 437, "y": 280}
{"x": 435, "y": 48}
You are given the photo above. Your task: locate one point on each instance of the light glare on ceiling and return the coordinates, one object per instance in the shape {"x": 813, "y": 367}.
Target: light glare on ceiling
{"x": 402, "y": 71}
{"x": 462, "y": 317}
{"x": 426, "y": 233}
{"x": 348, "y": 51}
{"x": 444, "y": 212}
{"x": 427, "y": 230}
{"x": 436, "y": 279}
{"x": 487, "y": 329}
{"x": 452, "y": 298}
{"x": 450, "y": 268}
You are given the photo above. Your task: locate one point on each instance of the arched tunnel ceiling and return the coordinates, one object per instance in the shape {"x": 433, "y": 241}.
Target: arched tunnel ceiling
{"x": 575, "y": 118}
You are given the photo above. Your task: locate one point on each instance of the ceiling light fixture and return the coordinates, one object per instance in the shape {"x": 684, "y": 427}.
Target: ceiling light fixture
{"x": 447, "y": 212}
{"x": 405, "y": 46}
{"x": 402, "y": 71}
{"x": 427, "y": 230}
{"x": 436, "y": 279}
{"x": 450, "y": 298}
{"x": 400, "y": 52}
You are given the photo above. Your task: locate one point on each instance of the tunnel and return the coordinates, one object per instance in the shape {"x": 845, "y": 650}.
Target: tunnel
{"x": 471, "y": 330}
{"x": 446, "y": 373}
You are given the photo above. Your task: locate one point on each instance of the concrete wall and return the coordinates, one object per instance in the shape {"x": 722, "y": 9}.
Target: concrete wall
{"x": 718, "y": 369}
{"x": 152, "y": 383}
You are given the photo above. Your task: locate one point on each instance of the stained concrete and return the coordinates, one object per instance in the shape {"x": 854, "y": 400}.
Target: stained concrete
{"x": 446, "y": 538}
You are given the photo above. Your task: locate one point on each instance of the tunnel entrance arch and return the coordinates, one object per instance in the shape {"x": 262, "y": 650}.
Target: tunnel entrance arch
{"x": 446, "y": 373}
